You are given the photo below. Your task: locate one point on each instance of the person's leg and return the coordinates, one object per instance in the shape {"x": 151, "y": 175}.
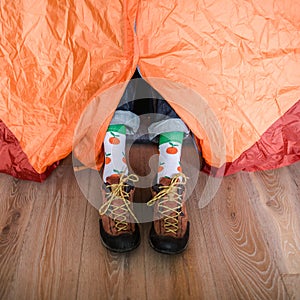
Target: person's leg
{"x": 170, "y": 228}
{"x": 169, "y": 133}
{"x": 126, "y": 115}
{"x": 119, "y": 231}
{"x": 169, "y": 154}
{"x": 123, "y": 123}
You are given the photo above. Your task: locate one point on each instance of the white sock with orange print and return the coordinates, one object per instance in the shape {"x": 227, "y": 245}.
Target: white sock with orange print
{"x": 114, "y": 149}
{"x": 170, "y": 144}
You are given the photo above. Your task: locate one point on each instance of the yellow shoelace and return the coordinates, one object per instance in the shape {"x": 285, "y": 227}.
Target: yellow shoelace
{"x": 119, "y": 213}
{"x": 169, "y": 193}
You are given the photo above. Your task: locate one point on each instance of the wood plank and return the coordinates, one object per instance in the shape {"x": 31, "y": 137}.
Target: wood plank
{"x": 243, "y": 266}
{"x": 67, "y": 160}
{"x": 292, "y": 283}
{"x": 15, "y": 208}
{"x": 294, "y": 169}
{"x": 50, "y": 259}
{"x": 277, "y": 207}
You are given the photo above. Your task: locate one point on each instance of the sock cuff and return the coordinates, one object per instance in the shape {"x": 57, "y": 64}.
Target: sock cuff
{"x": 173, "y": 136}
{"x": 117, "y": 128}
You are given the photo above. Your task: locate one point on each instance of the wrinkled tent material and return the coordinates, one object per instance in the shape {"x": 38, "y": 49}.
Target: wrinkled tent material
{"x": 242, "y": 58}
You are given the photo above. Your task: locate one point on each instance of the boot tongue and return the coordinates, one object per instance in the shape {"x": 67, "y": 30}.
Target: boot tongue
{"x": 165, "y": 181}
{"x": 113, "y": 179}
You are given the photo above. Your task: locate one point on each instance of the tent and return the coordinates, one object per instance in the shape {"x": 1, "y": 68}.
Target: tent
{"x": 236, "y": 61}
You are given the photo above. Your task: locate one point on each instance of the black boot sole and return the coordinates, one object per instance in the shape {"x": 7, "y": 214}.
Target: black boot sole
{"x": 122, "y": 243}
{"x": 168, "y": 245}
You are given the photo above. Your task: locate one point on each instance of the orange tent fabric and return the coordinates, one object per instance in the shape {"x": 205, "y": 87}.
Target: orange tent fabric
{"x": 235, "y": 61}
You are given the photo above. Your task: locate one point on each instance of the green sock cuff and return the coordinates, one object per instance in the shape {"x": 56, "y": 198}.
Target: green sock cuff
{"x": 173, "y": 136}
{"x": 117, "y": 128}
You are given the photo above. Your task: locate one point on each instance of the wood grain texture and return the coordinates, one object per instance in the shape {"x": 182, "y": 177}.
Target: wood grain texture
{"x": 49, "y": 263}
{"x": 243, "y": 266}
{"x": 292, "y": 283}
{"x": 276, "y": 205}
{"x": 15, "y": 208}
{"x": 243, "y": 244}
{"x": 294, "y": 171}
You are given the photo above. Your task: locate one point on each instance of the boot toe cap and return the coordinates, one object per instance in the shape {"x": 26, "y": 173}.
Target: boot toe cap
{"x": 121, "y": 243}
{"x": 167, "y": 244}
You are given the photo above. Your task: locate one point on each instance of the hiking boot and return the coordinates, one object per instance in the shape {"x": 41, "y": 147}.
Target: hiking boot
{"x": 119, "y": 230}
{"x": 170, "y": 229}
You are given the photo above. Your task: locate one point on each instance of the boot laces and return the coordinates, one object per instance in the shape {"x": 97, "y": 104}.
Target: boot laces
{"x": 168, "y": 194}
{"x": 117, "y": 212}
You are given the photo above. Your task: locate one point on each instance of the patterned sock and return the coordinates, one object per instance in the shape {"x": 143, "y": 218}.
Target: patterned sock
{"x": 114, "y": 149}
{"x": 170, "y": 144}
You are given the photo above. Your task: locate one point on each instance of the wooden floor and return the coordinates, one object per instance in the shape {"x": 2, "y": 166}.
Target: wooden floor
{"x": 244, "y": 244}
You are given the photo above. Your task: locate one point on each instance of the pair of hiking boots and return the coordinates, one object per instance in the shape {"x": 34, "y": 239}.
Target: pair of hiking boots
{"x": 119, "y": 229}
